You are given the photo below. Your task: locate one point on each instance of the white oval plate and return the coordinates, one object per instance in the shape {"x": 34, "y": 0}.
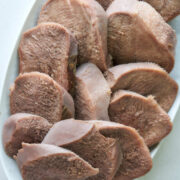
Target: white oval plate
{"x": 9, "y": 166}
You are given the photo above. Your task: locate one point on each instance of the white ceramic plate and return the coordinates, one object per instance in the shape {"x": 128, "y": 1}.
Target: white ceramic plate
{"x": 9, "y": 166}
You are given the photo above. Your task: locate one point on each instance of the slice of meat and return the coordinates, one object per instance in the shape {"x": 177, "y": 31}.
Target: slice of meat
{"x": 87, "y": 21}
{"x": 137, "y": 33}
{"x": 168, "y": 9}
{"x": 136, "y": 159}
{"x": 145, "y": 79}
{"x": 49, "y": 48}
{"x": 22, "y": 127}
{"x": 141, "y": 113}
{"x": 92, "y": 93}
{"x": 39, "y": 94}
{"x": 48, "y": 162}
{"x": 84, "y": 139}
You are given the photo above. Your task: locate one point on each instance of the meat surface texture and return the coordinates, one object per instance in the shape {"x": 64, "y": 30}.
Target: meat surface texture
{"x": 87, "y": 21}
{"x": 48, "y": 162}
{"x": 168, "y": 9}
{"x": 37, "y": 93}
{"x": 111, "y": 147}
{"x": 22, "y": 127}
{"x": 92, "y": 93}
{"x": 145, "y": 79}
{"x": 137, "y": 33}
{"x": 136, "y": 159}
{"x": 49, "y": 48}
{"x": 84, "y": 139}
{"x": 141, "y": 113}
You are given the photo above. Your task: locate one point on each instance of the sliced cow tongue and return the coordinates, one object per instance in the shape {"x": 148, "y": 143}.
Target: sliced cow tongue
{"x": 98, "y": 143}
{"x": 49, "y": 48}
{"x": 136, "y": 159}
{"x": 167, "y": 9}
{"x": 84, "y": 139}
{"x": 92, "y": 93}
{"x": 87, "y": 21}
{"x": 137, "y": 33}
{"x": 48, "y": 162}
{"x": 145, "y": 79}
{"x": 142, "y": 113}
{"x": 39, "y": 94}
{"x": 22, "y": 127}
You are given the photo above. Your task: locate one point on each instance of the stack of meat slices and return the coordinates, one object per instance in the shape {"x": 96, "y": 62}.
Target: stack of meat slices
{"x": 96, "y": 122}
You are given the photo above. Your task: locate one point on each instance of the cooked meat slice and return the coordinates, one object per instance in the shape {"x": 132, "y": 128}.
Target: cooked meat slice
{"x": 39, "y": 94}
{"x": 145, "y": 79}
{"x": 92, "y": 93}
{"x": 168, "y": 9}
{"x": 22, "y": 127}
{"x": 137, "y": 33}
{"x": 141, "y": 113}
{"x": 104, "y": 3}
{"x": 136, "y": 159}
{"x": 43, "y": 161}
{"x": 87, "y": 21}
{"x": 49, "y": 48}
{"x": 84, "y": 139}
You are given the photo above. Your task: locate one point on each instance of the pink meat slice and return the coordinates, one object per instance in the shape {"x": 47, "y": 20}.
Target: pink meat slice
{"x": 87, "y": 21}
{"x": 84, "y": 139}
{"x": 141, "y": 113}
{"x": 136, "y": 159}
{"x": 167, "y": 9}
{"x": 49, "y": 48}
{"x": 137, "y": 33}
{"x": 92, "y": 93}
{"x": 145, "y": 79}
{"x": 48, "y": 162}
{"x": 37, "y": 93}
{"x": 23, "y": 127}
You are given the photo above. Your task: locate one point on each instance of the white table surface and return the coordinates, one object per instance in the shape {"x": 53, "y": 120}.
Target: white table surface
{"x": 166, "y": 164}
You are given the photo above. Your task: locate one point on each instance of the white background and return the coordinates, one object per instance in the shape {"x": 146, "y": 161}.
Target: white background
{"x": 166, "y": 164}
